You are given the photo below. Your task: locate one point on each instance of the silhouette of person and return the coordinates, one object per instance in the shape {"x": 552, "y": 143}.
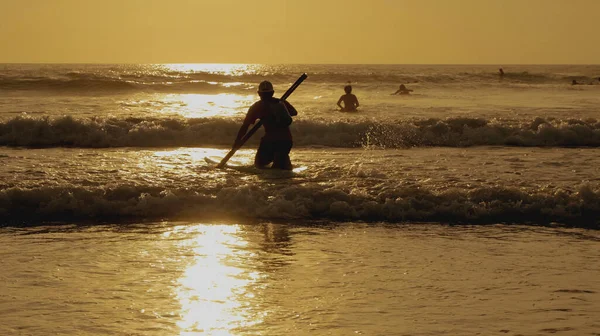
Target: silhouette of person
{"x": 501, "y": 72}
{"x": 402, "y": 90}
{"x": 276, "y": 144}
{"x": 350, "y": 100}
{"x": 574, "y": 82}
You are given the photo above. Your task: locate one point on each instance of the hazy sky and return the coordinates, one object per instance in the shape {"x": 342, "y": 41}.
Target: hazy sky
{"x": 300, "y": 31}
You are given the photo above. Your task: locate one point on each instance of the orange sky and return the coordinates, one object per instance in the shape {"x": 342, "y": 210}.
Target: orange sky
{"x": 301, "y": 31}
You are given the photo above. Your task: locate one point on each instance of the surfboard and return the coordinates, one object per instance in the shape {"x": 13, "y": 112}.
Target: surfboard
{"x": 233, "y": 165}
{"x": 251, "y": 169}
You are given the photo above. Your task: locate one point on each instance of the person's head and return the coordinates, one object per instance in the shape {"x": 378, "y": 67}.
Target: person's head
{"x": 348, "y": 88}
{"x": 574, "y": 82}
{"x": 402, "y": 86}
{"x": 265, "y": 90}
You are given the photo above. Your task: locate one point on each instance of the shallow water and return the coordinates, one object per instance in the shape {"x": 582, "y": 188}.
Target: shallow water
{"x": 273, "y": 279}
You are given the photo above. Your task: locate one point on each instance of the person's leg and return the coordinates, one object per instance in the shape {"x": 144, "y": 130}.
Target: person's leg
{"x": 281, "y": 159}
{"x": 264, "y": 154}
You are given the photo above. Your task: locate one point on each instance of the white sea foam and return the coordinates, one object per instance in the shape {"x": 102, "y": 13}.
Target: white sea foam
{"x": 449, "y": 185}
{"x": 155, "y": 132}
{"x": 131, "y": 202}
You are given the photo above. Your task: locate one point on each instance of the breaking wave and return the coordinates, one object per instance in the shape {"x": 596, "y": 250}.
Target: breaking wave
{"x": 302, "y": 202}
{"x": 156, "y": 132}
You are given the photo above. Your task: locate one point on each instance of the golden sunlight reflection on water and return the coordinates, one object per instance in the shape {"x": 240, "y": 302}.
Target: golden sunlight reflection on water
{"x": 196, "y": 154}
{"x": 214, "y": 291}
{"x": 192, "y": 105}
{"x": 215, "y": 68}
{"x": 179, "y": 158}
{"x": 193, "y": 278}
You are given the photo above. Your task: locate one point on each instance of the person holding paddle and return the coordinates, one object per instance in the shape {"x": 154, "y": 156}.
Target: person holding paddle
{"x": 275, "y": 115}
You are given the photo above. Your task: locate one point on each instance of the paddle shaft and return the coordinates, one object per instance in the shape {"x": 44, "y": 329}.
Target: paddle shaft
{"x": 259, "y": 123}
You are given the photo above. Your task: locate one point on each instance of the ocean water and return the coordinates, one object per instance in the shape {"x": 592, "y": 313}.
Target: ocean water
{"x": 468, "y": 207}
{"x": 277, "y": 279}
{"x": 98, "y": 142}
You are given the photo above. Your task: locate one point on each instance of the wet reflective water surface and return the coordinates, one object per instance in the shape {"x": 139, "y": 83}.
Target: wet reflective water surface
{"x": 276, "y": 279}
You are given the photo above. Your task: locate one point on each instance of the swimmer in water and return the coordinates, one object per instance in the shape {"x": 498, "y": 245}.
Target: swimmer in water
{"x": 350, "y": 100}
{"x": 402, "y": 90}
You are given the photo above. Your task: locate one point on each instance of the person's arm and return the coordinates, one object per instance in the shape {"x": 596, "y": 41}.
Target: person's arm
{"x": 356, "y": 101}
{"x": 249, "y": 120}
{"x": 395, "y": 93}
{"x": 240, "y": 135}
{"x": 291, "y": 110}
{"x": 339, "y": 101}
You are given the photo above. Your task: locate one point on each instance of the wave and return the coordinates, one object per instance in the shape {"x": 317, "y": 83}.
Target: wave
{"x": 168, "y": 132}
{"x": 301, "y": 202}
{"x": 215, "y": 82}
{"x": 116, "y": 85}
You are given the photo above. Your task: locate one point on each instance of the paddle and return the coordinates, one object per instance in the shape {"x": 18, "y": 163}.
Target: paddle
{"x": 259, "y": 123}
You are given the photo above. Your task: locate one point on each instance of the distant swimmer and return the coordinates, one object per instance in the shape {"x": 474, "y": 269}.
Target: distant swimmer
{"x": 501, "y": 72}
{"x": 574, "y": 82}
{"x": 403, "y": 90}
{"x": 350, "y": 100}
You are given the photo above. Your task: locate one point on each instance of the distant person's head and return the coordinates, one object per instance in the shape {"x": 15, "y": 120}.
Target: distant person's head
{"x": 402, "y": 87}
{"x": 574, "y": 82}
{"x": 348, "y": 89}
{"x": 265, "y": 89}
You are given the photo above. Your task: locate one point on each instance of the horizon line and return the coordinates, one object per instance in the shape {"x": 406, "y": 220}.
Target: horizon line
{"x": 250, "y": 63}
